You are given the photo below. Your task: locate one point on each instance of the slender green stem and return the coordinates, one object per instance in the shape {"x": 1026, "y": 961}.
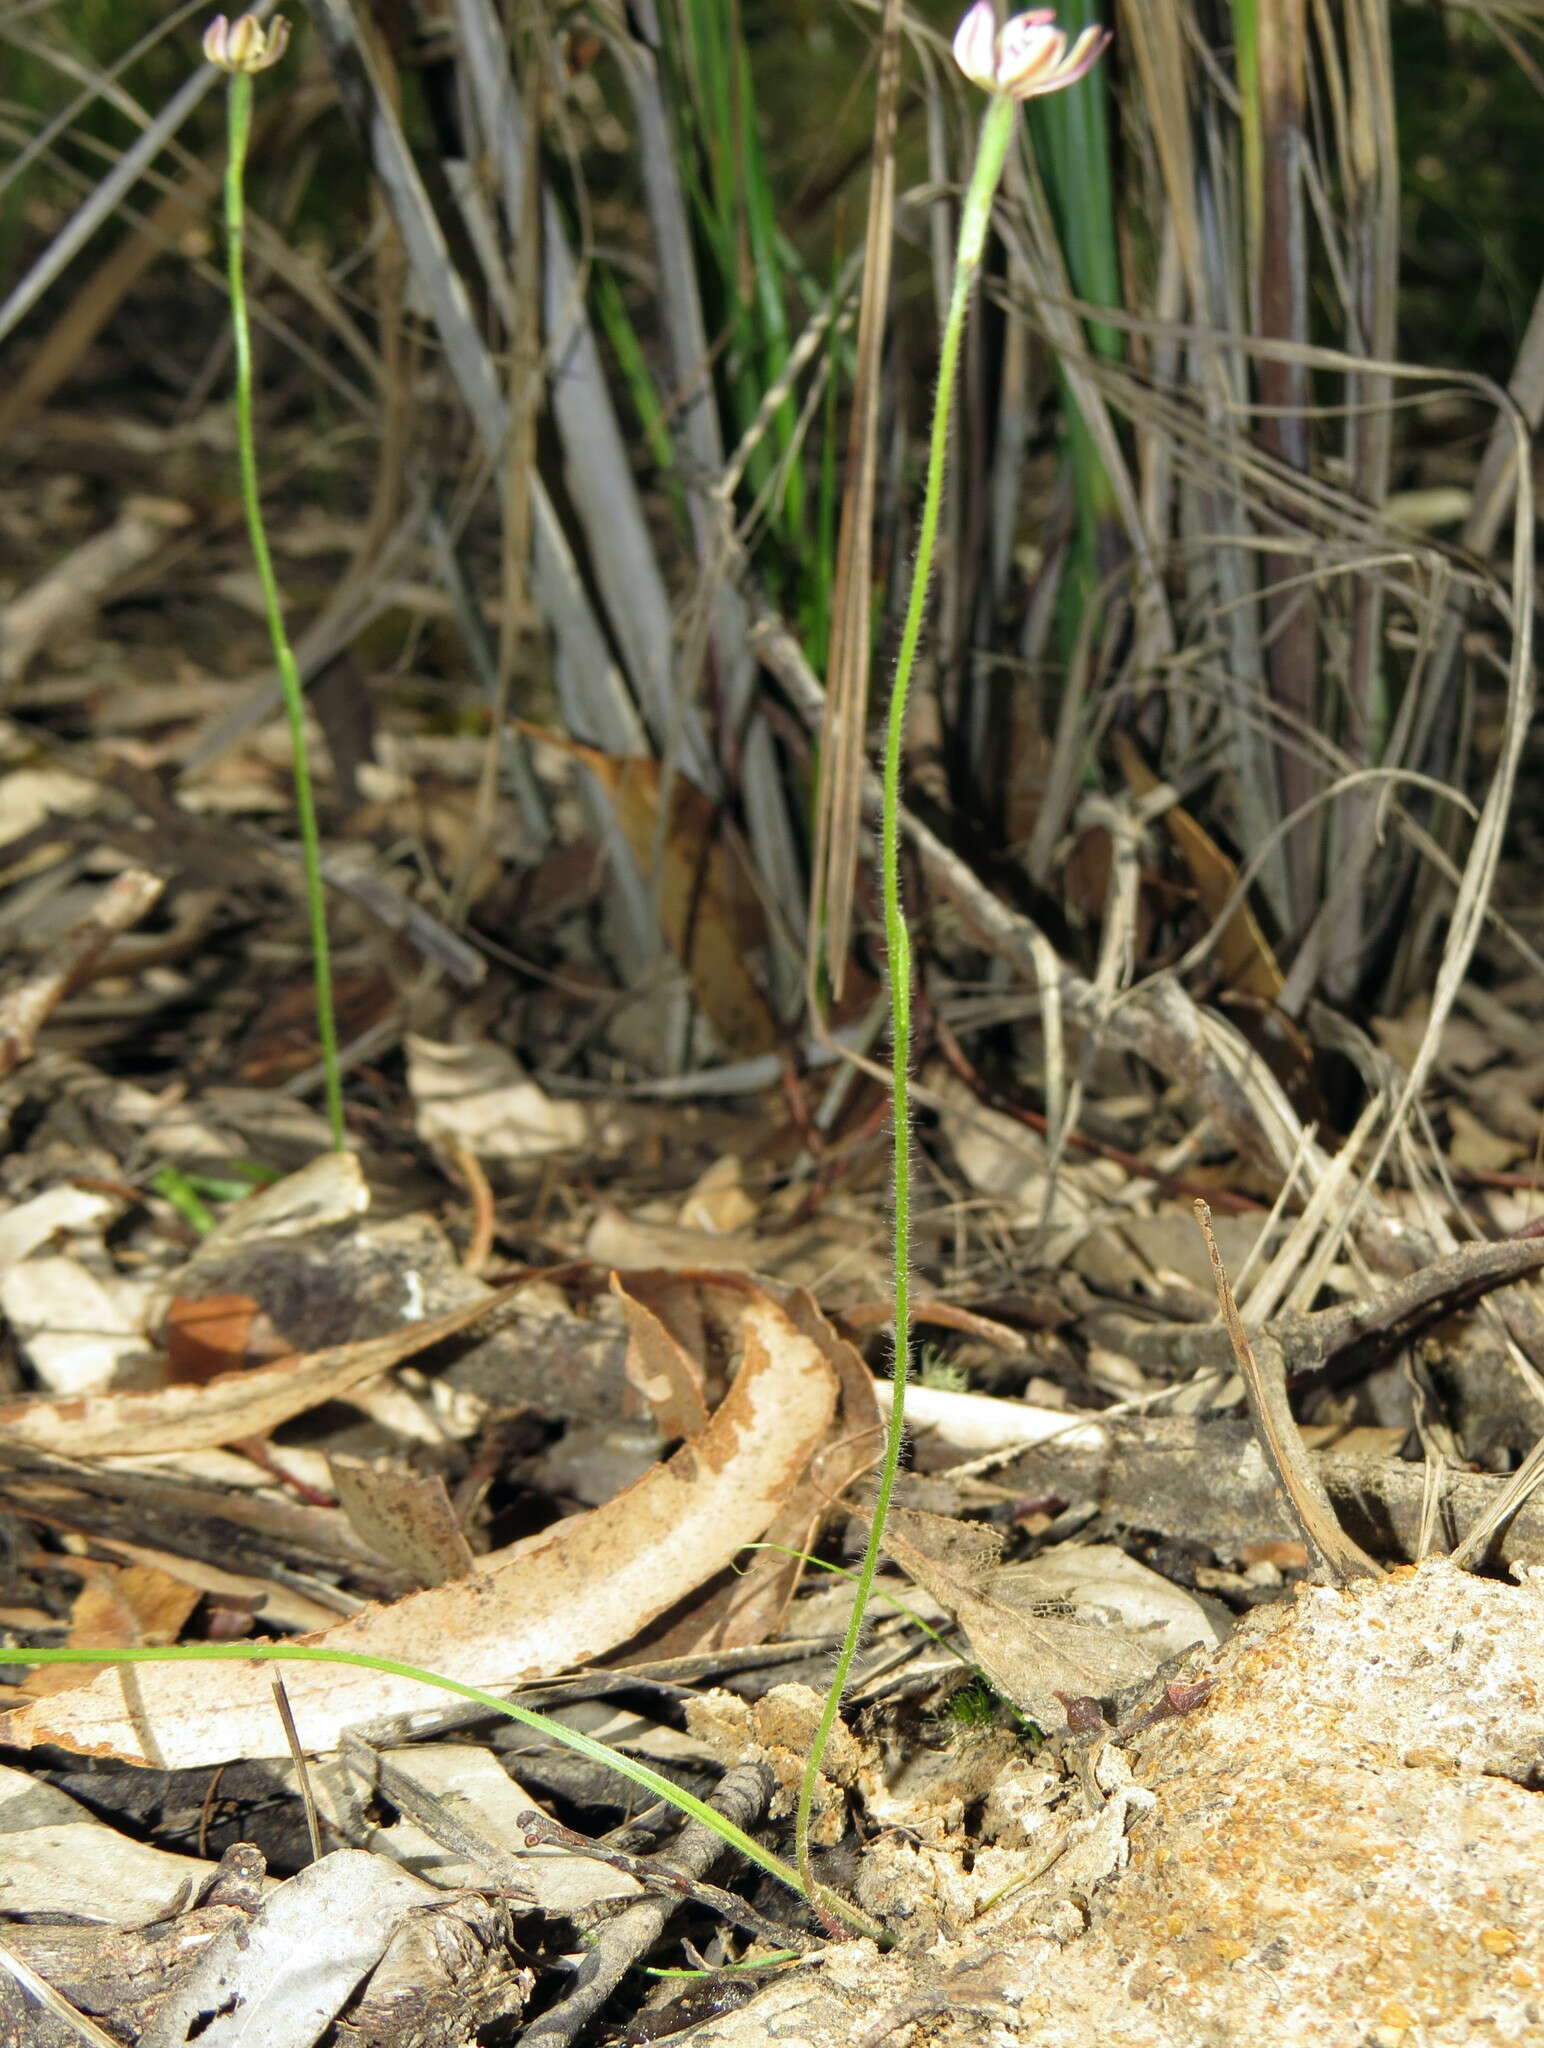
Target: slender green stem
{"x": 991, "y": 154}
{"x": 586, "y": 1745}
{"x": 240, "y": 127}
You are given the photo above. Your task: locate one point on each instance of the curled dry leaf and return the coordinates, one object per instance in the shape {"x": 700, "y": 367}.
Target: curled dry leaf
{"x": 760, "y": 1597}
{"x": 547, "y": 1604}
{"x": 708, "y": 911}
{"x": 138, "y": 1603}
{"x": 1242, "y": 950}
{"x": 1030, "y": 1655}
{"x": 406, "y": 1517}
{"x": 661, "y": 1369}
{"x": 236, "y": 1404}
{"x": 691, "y": 1313}
{"x": 206, "y": 1335}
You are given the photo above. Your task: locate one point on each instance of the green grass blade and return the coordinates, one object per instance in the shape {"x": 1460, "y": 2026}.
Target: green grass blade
{"x": 640, "y": 1774}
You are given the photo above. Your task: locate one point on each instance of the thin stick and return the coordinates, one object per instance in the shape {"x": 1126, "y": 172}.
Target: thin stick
{"x": 55, "y": 2002}
{"x": 479, "y": 1247}
{"x": 25, "y": 1009}
{"x": 1276, "y": 1429}
{"x": 302, "y": 1769}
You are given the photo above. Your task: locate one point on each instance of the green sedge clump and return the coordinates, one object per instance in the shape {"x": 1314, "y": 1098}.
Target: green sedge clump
{"x": 973, "y": 1706}
{"x": 936, "y": 1369}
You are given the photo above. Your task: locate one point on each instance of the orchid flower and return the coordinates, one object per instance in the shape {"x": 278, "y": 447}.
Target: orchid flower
{"x": 245, "y": 46}
{"x": 1028, "y": 56}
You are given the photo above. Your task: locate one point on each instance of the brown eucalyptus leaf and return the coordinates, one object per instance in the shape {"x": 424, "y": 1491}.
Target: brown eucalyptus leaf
{"x": 1029, "y": 1646}
{"x": 550, "y": 1603}
{"x": 136, "y": 1423}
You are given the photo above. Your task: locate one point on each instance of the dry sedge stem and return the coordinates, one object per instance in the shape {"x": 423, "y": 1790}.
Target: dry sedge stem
{"x": 1277, "y": 1430}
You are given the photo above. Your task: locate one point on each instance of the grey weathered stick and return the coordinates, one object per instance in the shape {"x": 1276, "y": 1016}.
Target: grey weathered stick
{"x": 1410, "y": 1305}
{"x": 74, "y": 588}
{"x": 53, "y": 2001}
{"x": 434, "y": 1815}
{"x": 741, "y": 1796}
{"x": 661, "y": 1877}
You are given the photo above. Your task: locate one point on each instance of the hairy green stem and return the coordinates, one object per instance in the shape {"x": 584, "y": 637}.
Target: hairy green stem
{"x": 991, "y": 154}
{"x": 586, "y": 1745}
{"x": 240, "y": 127}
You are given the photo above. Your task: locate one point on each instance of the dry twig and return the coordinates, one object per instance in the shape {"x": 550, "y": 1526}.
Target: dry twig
{"x": 1276, "y": 1428}
{"x": 741, "y": 1796}
{"x": 25, "y": 1009}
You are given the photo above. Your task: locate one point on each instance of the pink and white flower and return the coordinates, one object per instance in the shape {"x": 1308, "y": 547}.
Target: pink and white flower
{"x": 244, "y": 45}
{"x": 1027, "y": 56}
